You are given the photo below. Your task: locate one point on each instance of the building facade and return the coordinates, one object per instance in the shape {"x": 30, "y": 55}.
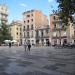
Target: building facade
{"x": 74, "y": 29}
{"x": 43, "y": 35}
{"x": 60, "y": 34}
{"x": 15, "y": 30}
{"x": 32, "y": 20}
{"x": 3, "y": 14}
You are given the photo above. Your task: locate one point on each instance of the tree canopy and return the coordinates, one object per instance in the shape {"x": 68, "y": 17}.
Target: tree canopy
{"x": 4, "y": 33}
{"x": 66, "y": 10}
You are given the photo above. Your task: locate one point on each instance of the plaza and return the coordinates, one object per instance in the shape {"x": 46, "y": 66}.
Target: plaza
{"x": 37, "y": 61}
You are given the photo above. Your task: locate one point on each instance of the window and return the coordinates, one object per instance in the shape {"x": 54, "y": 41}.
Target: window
{"x": 32, "y": 20}
{"x": 27, "y": 21}
{"x": 37, "y": 33}
{"x": 20, "y": 34}
{"x": 17, "y": 33}
{"x": 42, "y": 33}
{"x": 32, "y": 34}
{"x": 32, "y": 42}
{"x": 54, "y": 17}
{"x": 32, "y": 27}
{"x": 20, "y": 29}
{"x": 31, "y": 14}
{"x": 17, "y": 28}
{"x": 24, "y": 28}
{"x": 24, "y": 34}
{"x": 27, "y": 34}
{"x": 27, "y": 27}
{"x": 54, "y": 25}
{"x": 28, "y": 15}
{"x": 24, "y": 21}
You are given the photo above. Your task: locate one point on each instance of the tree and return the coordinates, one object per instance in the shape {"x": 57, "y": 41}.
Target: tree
{"x": 0, "y": 37}
{"x": 66, "y": 10}
{"x": 4, "y": 33}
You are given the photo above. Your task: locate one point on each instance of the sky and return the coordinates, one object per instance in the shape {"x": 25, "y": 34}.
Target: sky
{"x": 17, "y": 7}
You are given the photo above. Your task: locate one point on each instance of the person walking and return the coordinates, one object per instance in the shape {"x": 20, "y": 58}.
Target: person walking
{"x": 48, "y": 43}
{"x": 9, "y": 44}
{"x": 29, "y": 46}
{"x": 25, "y": 45}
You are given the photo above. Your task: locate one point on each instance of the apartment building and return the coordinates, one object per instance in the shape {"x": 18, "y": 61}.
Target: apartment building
{"x": 42, "y": 35}
{"x": 74, "y": 29}
{"x": 32, "y": 20}
{"x": 15, "y": 29}
{"x": 60, "y": 34}
{"x": 3, "y": 14}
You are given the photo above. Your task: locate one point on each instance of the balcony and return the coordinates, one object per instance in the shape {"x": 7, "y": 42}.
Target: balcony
{"x": 58, "y": 37}
{"x": 42, "y": 36}
{"x": 27, "y": 37}
{"x": 57, "y": 29}
{"x": 57, "y": 21}
{"x": 27, "y": 29}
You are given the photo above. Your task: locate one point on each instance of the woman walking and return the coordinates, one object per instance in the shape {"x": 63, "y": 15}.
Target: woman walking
{"x": 29, "y": 46}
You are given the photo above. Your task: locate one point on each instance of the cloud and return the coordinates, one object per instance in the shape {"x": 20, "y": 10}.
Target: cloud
{"x": 50, "y": 1}
{"x": 23, "y": 5}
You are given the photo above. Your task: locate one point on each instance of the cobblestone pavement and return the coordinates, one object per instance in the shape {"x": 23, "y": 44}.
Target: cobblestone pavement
{"x": 38, "y": 61}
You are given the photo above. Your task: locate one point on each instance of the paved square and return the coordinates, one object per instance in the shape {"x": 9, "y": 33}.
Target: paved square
{"x": 38, "y": 61}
